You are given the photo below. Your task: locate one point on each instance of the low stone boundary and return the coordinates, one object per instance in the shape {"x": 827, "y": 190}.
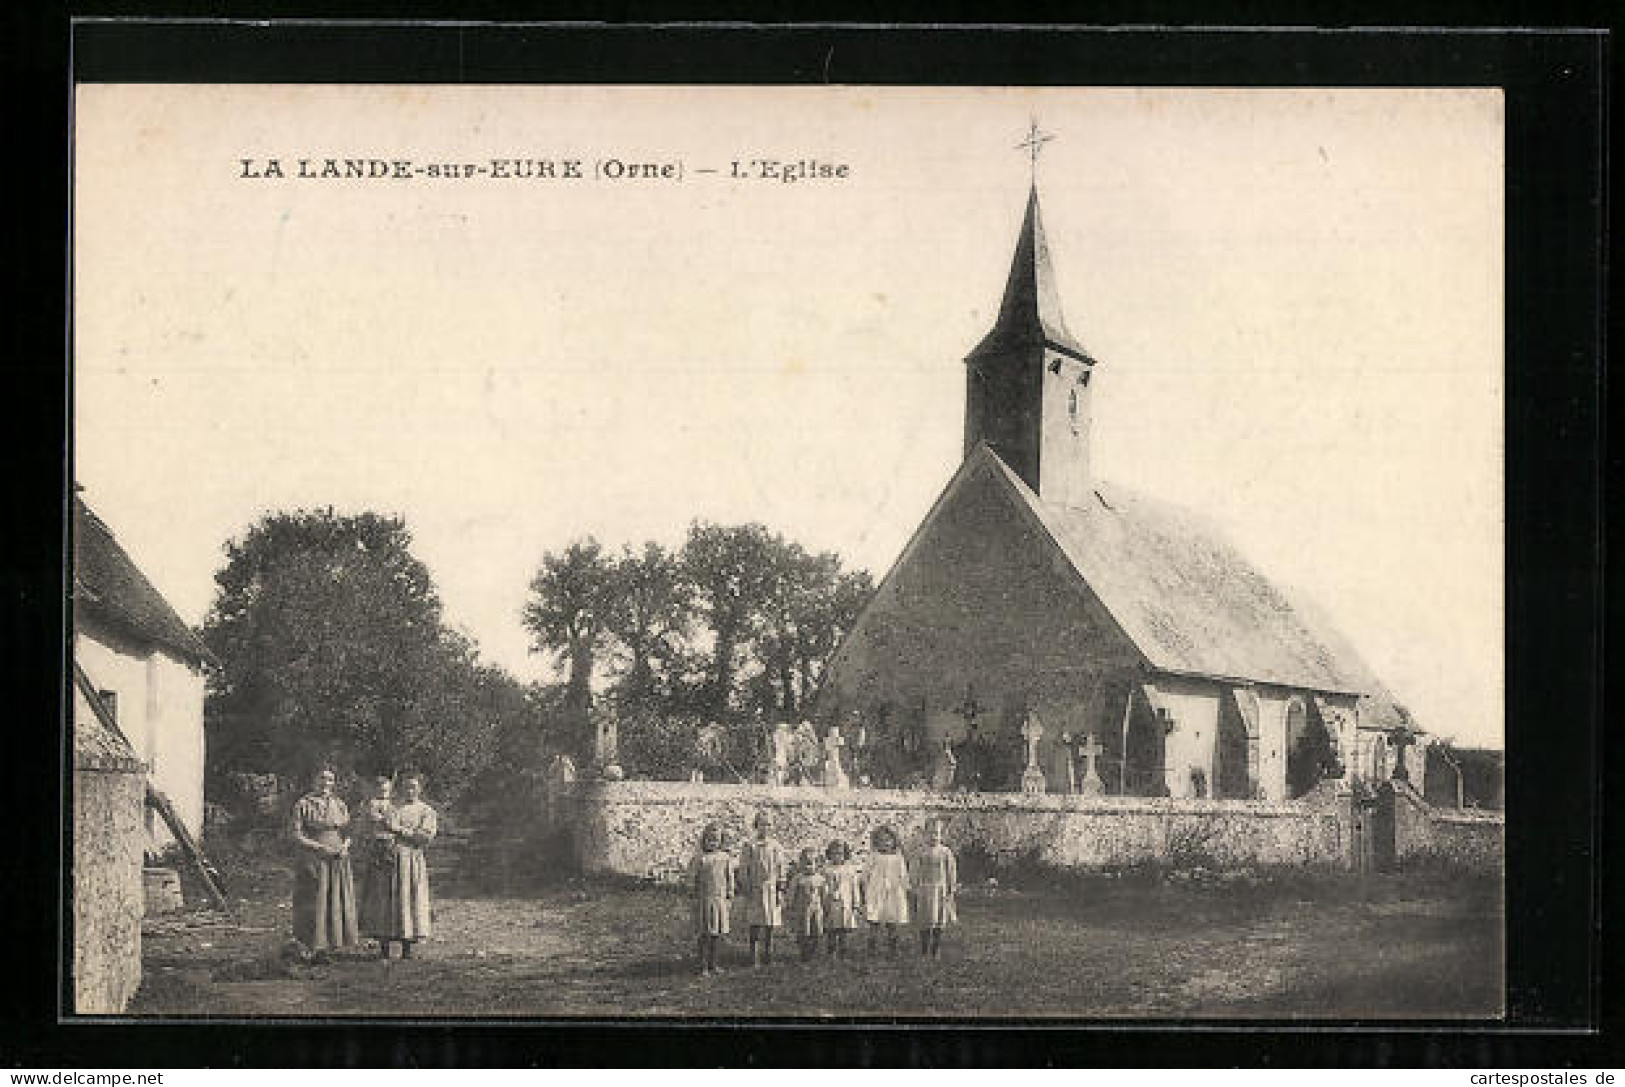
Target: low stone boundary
{"x": 649, "y": 829}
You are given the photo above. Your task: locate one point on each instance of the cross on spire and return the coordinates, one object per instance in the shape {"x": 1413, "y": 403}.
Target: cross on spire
{"x": 1034, "y": 143}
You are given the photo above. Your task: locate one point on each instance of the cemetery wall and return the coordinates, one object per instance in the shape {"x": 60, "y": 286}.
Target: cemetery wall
{"x": 1472, "y": 839}
{"x": 649, "y": 830}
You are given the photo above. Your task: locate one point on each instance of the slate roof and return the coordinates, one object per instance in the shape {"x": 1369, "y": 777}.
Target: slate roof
{"x": 109, "y": 588}
{"x": 1031, "y": 309}
{"x": 1189, "y": 600}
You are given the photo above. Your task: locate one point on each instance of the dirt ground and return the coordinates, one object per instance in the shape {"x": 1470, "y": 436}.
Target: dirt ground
{"x": 1288, "y": 946}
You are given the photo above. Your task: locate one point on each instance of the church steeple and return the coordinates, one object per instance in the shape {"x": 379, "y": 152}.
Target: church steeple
{"x": 1031, "y": 309}
{"x": 1027, "y": 384}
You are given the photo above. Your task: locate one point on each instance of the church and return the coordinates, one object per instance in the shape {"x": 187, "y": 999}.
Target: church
{"x": 1034, "y": 589}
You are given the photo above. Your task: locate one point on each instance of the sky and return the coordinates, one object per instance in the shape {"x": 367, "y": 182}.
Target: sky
{"x": 1295, "y": 297}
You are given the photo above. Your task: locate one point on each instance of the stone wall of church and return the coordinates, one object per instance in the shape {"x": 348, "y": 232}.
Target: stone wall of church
{"x": 984, "y": 610}
{"x": 649, "y": 830}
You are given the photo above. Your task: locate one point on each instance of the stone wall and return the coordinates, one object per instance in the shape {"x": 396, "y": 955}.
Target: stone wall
{"x": 650, "y": 829}
{"x": 108, "y": 840}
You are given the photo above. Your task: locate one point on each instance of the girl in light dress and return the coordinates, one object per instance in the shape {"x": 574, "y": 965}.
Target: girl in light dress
{"x": 713, "y": 882}
{"x": 936, "y": 875}
{"x": 763, "y": 870}
{"x": 807, "y": 905}
{"x": 843, "y": 897}
{"x": 885, "y": 889}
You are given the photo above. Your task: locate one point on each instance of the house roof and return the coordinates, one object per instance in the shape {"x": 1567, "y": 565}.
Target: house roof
{"x": 1031, "y": 310}
{"x": 97, "y": 748}
{"x": 1188, "y": 599}
{"x": 109, "y": 588}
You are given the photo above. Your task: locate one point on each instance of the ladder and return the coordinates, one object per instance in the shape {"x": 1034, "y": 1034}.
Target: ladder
{"x": 210, "y": 877}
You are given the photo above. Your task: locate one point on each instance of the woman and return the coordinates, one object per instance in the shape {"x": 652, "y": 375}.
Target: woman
{"x": 414, "y": 824}
{"x": 375, "y": 850}
{"x": 323, "y": 887}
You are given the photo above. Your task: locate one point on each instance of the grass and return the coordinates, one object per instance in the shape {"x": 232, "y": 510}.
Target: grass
{"x": 1286, "y": 945}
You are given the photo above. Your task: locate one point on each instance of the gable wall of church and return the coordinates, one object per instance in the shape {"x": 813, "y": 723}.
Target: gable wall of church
{"x": 985, "y": 606}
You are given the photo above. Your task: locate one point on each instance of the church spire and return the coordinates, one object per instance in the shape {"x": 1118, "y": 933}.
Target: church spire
{"x": 1030, "y": 312}
{"x": 1027, "y": 384}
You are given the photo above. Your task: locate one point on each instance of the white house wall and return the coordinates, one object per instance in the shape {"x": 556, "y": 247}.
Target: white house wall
{"x": 160, "y": 711}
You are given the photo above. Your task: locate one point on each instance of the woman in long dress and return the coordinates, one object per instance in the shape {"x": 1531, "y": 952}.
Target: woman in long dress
{"x": 323, "y": 886}
{"x": 374, "y": 849}
{"x": 414, "y": 825}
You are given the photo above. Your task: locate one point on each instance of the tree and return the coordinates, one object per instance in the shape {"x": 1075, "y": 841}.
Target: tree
{"x": 331, "y": 648}
{"x": 651, "y": 611}
{"x": 729, "y": 567}
{"x": 566, "y": 613}
{"x": 810, "y": 605}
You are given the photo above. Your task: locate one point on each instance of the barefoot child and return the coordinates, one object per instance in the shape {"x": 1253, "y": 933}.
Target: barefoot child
{"x": 885, "y": 889}
{"x": 936, "y": 876}
{"x": 842, "y": 899}
{"x": 807, "y": 905}
{"x": 762, "y": 872}
{"x": 713, "y": 879}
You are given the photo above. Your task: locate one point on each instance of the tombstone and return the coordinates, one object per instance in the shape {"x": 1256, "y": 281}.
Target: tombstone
{"x": 834, "y": 775}
{"x": 696, "y": 777}
{"x": 1091, "y": 784}
{"x": 606, "y": 744}
{"x": 778, "y": 772}
{"x": 942, "y": 774}
{"x": 556, "y": 780}
{"x": 858, "y": 754}
{"x": 805, "y": 757}
{"x": 1032, "y": 778}
{"x": 1400, "y": 740}
{"x": 1071, "y": 764}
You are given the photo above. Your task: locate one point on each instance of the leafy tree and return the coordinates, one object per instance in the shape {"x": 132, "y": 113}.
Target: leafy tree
{"x": 730, "y": 569}
{"x": 650, "y": 615}
{"x": 331, "y": 647}
{"x": 567, "y": 612}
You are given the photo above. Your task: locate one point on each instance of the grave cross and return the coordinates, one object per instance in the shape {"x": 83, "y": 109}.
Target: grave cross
{"x": 1400, "y": 739}
{"x": 834, "y": 776}
{"x": 1091, "y": 749}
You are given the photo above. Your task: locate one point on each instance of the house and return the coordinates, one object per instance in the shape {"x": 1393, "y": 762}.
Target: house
{"x": 1122, "y": 622}
{"x": 146, "y": 664}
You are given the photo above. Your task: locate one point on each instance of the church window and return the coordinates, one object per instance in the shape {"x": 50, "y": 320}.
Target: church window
{"x": 1072, "y": 407}
{"x": 110, "y": 703}
{"x": 1083, "y": 379}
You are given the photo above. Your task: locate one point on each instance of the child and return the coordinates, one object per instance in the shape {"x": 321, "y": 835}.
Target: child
{"x": 842, "y": 898}
{"x": 375, "y": 864}
{"x": 937, "y": 876}
{"x": 762, "y": 865}
{"x": 807, "y": 905}
{"x": 713, "y": 880}
{"x": 885, "y": 889}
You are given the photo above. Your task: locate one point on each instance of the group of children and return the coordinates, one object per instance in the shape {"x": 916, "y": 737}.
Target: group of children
{"x": 813, "y": 900}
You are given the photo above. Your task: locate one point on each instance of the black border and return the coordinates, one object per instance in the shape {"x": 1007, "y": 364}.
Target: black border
{"x": 1556, "y": 85}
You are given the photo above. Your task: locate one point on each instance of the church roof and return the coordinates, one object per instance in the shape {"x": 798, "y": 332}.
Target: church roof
{"x": 1031, "y": 310}
{"x": 1189, "y": 600}
{"x": 110, "y": 589}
